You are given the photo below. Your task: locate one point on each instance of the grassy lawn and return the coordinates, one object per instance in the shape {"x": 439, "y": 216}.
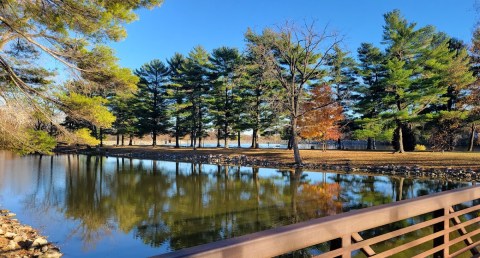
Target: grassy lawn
{"x": 331, "y": 157}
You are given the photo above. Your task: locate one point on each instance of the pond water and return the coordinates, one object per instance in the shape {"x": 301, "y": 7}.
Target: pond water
{"x": 119, "y": 207}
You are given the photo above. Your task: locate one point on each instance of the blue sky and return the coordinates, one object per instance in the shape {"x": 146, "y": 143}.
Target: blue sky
{"x": 179, "y": 25}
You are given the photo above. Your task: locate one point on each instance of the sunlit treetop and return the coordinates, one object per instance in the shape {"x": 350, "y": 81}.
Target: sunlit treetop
{"x": 69, "y": 31}
{"x": 40, "y": 39}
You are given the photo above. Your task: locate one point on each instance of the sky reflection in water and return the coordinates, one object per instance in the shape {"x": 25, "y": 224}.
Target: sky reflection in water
{"x": 100, "y": 207}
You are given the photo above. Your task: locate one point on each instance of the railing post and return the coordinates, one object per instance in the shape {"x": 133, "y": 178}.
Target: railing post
{"x": 346, "y": 242}
{"x": 437, "y": 228}
{"x": 446, "y": 234}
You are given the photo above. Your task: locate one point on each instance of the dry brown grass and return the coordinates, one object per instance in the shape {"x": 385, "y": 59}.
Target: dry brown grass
{"x": 331, "y": 157}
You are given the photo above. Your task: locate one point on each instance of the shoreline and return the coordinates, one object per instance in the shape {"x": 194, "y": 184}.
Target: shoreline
{"x": 468, "y": 170}
{"x": 19, "y": 240}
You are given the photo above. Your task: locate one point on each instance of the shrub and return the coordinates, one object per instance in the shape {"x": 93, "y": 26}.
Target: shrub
{"x": 420, "y": 147}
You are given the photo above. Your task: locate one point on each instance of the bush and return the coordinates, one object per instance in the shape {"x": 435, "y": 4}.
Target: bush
{"x": 420, "y": 147}
{"x": 38, "y": 142}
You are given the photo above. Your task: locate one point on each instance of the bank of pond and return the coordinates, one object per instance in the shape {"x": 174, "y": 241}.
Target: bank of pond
{"x": 112, "y": 206}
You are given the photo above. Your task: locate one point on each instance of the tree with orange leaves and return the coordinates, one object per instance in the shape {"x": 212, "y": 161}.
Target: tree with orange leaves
{"x": 321, "y": 120}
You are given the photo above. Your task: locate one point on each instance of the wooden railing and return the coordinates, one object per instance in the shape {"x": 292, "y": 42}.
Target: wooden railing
{"x": 450, "y": 217}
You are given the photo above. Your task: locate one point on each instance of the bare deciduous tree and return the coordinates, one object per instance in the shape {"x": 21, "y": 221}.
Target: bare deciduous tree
{"x": 297, "y": 57}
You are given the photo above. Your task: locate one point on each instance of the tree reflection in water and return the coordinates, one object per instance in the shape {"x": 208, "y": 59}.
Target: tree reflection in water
{"x": 180, "y": 205}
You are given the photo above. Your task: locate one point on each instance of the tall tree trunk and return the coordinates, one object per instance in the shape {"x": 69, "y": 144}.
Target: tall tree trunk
{"x": 130, "y": 141}
{"x": 339, "y": 143}
{"x": 225, "y": 137}
{"x": 191, "y": 139}
{"x": 257, "y": 122}
{"x": 177, "y": 139}
{"x": 194, "y": 143}
{"x": 238, "y": 138}
{"x": 290, "y": 142}
{"x": 123, "y": 140}
{"x": 218, "y": 138}
{"x": 118, "y": 139}
{"x": 254, "y": 139}
{"x": 227, "y": 117}
{"x": 177, "y": 132}
{"x": 194, "y": 133}
{"x": 472, "y": 137}
{"x": 154, "y": 138}
{"x": 155, "y": 115}
{"x": 400, "y": 138}
{"x": 369, "y": 143}
{"x": 200, "y": 127}
{"x": 95, "y": 132}
{"x": 296, "y": 150}
{"x": 101, "y": 137}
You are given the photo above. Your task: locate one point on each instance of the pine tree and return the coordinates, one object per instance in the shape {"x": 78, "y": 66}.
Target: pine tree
{"x": 450, "y": 117}
{"x": 260, "y": 92}
{"x": 196, "y": 86}
{"x": 151, "y": 99}
{"x": 342, "y": 80}
{"x": 123, "y": 107}
{"x": 225, "y": 97}
{"x": 418, "y": 63}
{"x": 176, "y": 93}
{"x": 368, "y": 94}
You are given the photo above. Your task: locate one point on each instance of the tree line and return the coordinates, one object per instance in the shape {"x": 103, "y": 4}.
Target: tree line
{"x": 417, "y": 86}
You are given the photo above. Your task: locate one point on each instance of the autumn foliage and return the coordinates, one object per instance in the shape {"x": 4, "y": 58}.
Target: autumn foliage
{"x": 322, "y": 114}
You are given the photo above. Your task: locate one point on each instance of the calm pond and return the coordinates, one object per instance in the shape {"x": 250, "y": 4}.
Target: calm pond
{"x": 119, "y": 207}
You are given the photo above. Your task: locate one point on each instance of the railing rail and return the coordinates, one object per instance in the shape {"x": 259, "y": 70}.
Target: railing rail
{"x": 347, "y": 226}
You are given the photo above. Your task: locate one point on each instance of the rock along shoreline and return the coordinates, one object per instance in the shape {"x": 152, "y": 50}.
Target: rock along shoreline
{"x": 415, "y": 171}
{"x": 18, "y": 240}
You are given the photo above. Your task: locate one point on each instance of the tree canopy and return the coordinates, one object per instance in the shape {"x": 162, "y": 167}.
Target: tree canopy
{"x": 36, "y": 35}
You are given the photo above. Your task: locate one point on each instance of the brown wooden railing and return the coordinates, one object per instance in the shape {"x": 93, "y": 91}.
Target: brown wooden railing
{"x": 450, "y": 217}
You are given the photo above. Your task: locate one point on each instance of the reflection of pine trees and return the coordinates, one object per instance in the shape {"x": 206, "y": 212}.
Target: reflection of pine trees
{"x": 182, "y": 205}
{"x": 85, "y": 201}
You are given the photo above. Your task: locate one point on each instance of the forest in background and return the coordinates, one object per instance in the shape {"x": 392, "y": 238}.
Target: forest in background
{"x": 416, "y": 87}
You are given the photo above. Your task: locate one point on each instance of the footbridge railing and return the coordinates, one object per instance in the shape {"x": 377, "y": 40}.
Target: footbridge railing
{"x": 445, "y": 224}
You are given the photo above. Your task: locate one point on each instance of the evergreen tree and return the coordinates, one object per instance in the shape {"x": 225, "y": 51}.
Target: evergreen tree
{"x": 123, "y": 106}
{"x": 176, "y": 93}
{"x": 416, "y": 71}
{"x": 225, "y": 93}
{"x": 196, "y": 86}
{"x": 151, "y": 99}
{"x": 260, "y": 92}
{"x": 449, "y": 117}
{"x": 368, "y": 94}
{"x": 342, "y": 80}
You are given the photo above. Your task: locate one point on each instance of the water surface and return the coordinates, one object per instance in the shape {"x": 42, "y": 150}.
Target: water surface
{"x": 119, "y": 207}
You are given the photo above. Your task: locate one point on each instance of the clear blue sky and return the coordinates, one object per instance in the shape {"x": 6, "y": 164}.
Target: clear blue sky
{"x": 179, "y": 25}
